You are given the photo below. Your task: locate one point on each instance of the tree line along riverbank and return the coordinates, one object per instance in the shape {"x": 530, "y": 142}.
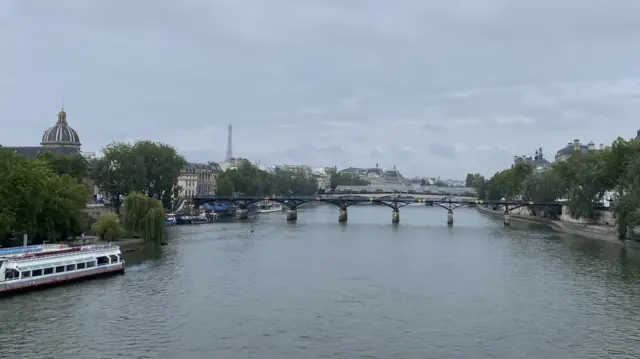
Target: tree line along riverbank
{"x": 583, "y": 180}
{"x": 46, "y": 197}
{"x": 598, "y": 232}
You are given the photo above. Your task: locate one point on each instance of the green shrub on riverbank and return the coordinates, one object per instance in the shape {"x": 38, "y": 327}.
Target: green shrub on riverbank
{"x": 108, "y": 227}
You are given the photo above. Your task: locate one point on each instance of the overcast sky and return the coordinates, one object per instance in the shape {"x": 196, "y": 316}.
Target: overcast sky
{"x": 438, "y": 88}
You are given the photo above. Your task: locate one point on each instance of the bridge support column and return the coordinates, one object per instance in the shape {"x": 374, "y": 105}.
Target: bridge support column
{"x": 450, "y": 218}
{"x": 507, "y": 217}
{"x": 342, "y": 214}
{"x": 242, "y": 213}
{"x": 292, "y": 215}
{"x": 395, "y": 216}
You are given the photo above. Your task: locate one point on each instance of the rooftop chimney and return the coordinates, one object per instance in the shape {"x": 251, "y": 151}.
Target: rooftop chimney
{"x": 570, "y": 144}
{"x": 601, "y": 146}
{"x": 591, "y": 146}
{"x": 576, "y": 144}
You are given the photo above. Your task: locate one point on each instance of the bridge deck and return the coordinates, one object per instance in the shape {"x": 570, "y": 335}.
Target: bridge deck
{"x": 354, "y": 199}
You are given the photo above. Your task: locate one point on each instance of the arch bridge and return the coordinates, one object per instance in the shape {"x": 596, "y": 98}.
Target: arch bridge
{"x": 393, "y": 201}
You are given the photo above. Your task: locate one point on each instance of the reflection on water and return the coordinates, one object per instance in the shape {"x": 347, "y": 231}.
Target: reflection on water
{"x": 364, "y": 289}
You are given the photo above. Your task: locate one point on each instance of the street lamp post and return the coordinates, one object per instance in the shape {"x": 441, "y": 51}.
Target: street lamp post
{"x": 116, "y": 202}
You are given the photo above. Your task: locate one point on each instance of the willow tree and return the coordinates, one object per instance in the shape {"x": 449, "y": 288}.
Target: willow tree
{"x": 144, "y": 216}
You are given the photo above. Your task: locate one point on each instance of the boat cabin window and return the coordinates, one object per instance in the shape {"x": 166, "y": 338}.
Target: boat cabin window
{"x": 102, "y": 260}
{"x": 81, "y": 265}
{"x": 60, "y": 269}
{"x": 26, "y": 274}
{"x": 71, "y": 267}
{"x": 36, "y": 272}
{"x": 48, "y": 271}
{"x": 11, "y": 274}
{"x": 91, "y": 264}
{"x": 114, "y": 258}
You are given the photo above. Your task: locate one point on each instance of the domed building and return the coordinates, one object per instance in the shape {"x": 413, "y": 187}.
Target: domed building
{"x": 61, "y": 134}
{"x": 60, "y": 139}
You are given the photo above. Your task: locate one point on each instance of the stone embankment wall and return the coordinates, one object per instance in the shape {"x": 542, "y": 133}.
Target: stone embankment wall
{"x": 601, "y": 218}
{"x": 605, "y": 218}
{"x": 601, "y": 232}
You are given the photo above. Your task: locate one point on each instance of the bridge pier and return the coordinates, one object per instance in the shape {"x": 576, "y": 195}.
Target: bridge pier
{"x": 395, "y": 216}
{"x": 292, "y": 215}
{"x": 242, "y": 213}
{"x": 450, "y": 218}
{"x": 507, "y": 217}
{"x": 342, "y": 214}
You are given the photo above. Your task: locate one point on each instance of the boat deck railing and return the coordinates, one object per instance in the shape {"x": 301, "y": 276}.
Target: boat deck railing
{"x": 31, "y": 249}
{"x": 83, "y": 250}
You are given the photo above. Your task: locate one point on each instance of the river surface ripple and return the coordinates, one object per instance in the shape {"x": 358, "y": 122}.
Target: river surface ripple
{"x": 367, "y": 289}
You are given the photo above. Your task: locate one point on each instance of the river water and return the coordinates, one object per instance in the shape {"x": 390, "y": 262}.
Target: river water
{"x": 367, "y": 289}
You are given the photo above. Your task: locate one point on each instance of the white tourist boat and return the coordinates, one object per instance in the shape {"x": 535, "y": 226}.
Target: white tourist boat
{"x": 32, "y": 267}
{"x": 270, "y": 207}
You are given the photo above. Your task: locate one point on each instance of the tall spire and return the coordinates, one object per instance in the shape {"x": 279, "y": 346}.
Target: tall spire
{"x": 229, "y": 154}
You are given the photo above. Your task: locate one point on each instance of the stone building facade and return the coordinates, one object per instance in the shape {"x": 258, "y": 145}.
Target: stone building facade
{"x": 203, "y": 177}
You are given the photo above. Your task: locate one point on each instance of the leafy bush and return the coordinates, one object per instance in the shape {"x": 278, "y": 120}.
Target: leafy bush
{"x": 108, "y": 227}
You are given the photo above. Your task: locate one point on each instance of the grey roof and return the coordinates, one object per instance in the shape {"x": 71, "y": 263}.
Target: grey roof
{"x": 375, "y": 171}
{"x": 353, "y": 170}
{"x": 568, "y": 150}
{"x": 540, "y": 162}
{"x": 392, "y": 173}
{"x": 61, "y": 133}
{"x": 31, "y": 152}
{"x": 192, "y": 167}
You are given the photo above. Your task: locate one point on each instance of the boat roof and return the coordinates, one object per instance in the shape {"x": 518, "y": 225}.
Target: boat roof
{"x": 18, "y": 251}
{"x": 48, "y": 264}
{"x": 53, "y": 256}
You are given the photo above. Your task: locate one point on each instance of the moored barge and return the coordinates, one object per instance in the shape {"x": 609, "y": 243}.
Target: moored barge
{"x": 34, "y": 267}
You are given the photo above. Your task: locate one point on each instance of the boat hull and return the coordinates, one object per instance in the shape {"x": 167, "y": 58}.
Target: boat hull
{"x": 22, "y": 286}
{"x": 270, "y": 210}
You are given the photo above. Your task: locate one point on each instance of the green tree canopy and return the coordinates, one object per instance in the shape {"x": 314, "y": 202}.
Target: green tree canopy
{"x": 337, "y": 178}
{"x": 249, "y": 180}
{"x": 75, "y": 166}
{"x": 36, "y": 201}
{"x": 477, "y": 182}
{"x": 148, "y": 167}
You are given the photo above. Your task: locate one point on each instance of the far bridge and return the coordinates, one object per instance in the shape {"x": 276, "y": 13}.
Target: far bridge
{"x": 395, "y": 202}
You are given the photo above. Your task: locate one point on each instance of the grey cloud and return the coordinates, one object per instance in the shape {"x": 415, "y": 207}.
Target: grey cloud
{"x": 442, "y": 150}
{"x": 433, "y": 127}
{"x": 326, "y": 82}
